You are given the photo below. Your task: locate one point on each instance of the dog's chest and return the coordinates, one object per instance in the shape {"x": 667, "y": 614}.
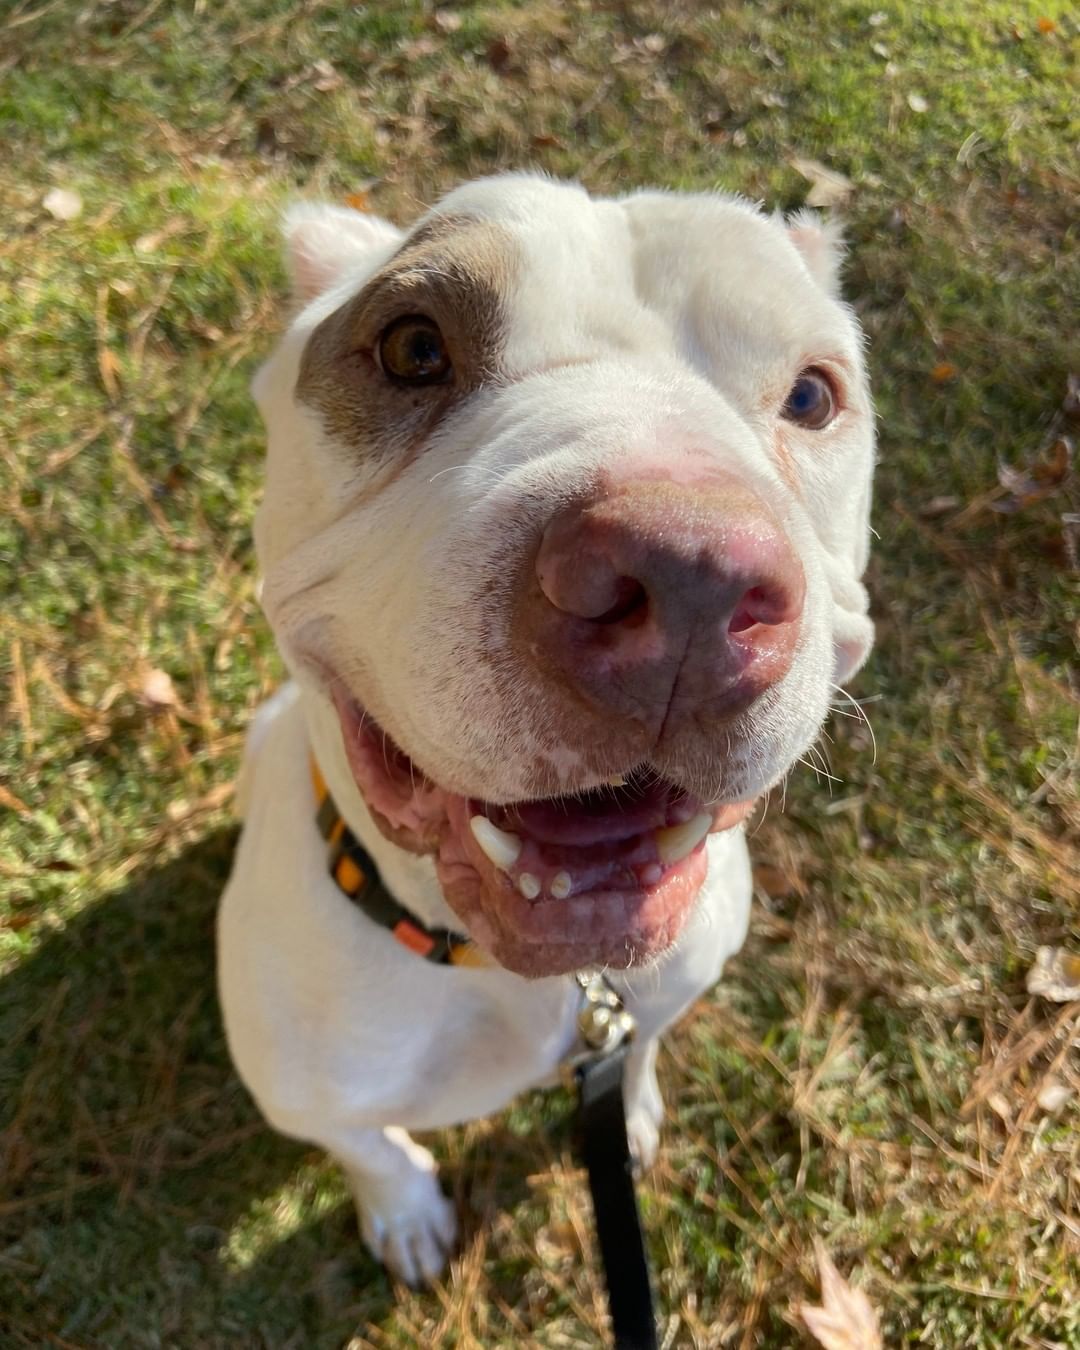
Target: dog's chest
{"x": 470, "y": 1050}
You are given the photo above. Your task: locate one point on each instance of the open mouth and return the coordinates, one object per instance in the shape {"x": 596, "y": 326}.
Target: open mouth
{"x": 606, "y": 876}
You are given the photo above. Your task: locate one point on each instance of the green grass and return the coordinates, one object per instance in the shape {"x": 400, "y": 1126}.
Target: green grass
{"x": 868, "y": 1074}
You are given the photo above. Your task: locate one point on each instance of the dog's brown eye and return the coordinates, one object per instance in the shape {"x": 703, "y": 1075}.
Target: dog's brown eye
{"x": 413, "y": 351}
{"x": 811, "y": 403}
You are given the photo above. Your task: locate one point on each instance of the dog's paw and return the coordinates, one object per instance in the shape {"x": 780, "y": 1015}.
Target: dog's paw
{"x": 644, "y": 1116}
{"x": 643, "y": 1136}
{"x": 415, "y": 1238}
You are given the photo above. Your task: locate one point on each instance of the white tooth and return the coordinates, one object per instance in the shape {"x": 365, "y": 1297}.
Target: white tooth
{"x": 675, "y": 842}
{"x": 528, "y": 885}
{"x": 616, "y": 780}
{"x": 502, "y": 847}
{"x": 561, "y": 885}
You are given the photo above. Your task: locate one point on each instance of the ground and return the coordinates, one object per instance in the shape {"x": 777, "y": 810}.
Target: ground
{"x": 872, "y": 1073}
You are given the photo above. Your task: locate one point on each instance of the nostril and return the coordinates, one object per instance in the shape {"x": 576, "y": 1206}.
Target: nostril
{"x": 770, "y": 605}
{"x": 741, "y": 620}
{"x": 631, "y": 604}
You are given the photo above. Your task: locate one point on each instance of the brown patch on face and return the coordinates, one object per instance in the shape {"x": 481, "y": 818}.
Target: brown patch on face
{"x": 457, "y": 272}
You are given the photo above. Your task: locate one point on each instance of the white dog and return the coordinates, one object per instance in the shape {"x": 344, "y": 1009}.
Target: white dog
{"x": 566, "y": 513}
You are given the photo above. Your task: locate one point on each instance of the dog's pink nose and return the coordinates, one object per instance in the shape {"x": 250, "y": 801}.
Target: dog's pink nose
{"x": 662, "y": 587}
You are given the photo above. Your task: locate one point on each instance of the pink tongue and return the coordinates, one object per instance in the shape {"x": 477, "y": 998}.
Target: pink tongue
{"x": 603, "y": 816}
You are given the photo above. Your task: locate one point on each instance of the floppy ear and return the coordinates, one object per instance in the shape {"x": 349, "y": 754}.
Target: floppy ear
{"x": 820, "y": 240}
{"x": 324, "y": 242}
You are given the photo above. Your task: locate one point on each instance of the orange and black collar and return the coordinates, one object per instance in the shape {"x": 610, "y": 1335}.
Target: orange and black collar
{"x": 355, "y": 873}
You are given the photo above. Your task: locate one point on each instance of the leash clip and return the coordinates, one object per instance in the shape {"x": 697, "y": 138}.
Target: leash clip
{"x": 603, "y": 1024}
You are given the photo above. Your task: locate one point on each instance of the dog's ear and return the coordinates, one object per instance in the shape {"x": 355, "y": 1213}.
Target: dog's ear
{"x": 820, "y": 240}
{"x": 323, "y": 242}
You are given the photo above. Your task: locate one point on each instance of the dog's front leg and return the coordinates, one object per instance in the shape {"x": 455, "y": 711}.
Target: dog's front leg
{"x": 406, "y": 1221}
{"x": 642, "y": 1101}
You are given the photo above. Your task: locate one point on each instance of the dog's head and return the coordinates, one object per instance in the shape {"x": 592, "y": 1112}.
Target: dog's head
{"x": 566, "y": 511}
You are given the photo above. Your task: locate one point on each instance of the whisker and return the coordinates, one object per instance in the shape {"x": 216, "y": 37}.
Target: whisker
{"x": 823, "y": 755}
{"x": 859, "y": 715}
{"x": 495, "y": 475}
{"x": 820, "y": 773}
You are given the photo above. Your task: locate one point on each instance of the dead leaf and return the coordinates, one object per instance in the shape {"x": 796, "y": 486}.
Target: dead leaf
{"x": 419, "y": 47}
{"x": 917, "y": 103}
{"x": 544, "y": 139}
{"x": 1036, "y": 482}
{"x": 777, "y": 883}
{"x": 12, "y": 803}
{"x": 446, "y": 20}
{"x": 63, "y": 204}
{"x": 999, "y": 1104}
{"x": 499, "y": 54}
{"x": 846, "y": 1320}
{"x": 1046, "y": 25}
{"x": 328, "y": 77}
{"x": 828, "y": 187}
{"x": 109, "y": 367}
{"x": 1053, "y": 1095}
{"x": 938, "y": 506}
{"x": 148, "y": 243}
{"x": 359, "y": 201}
{"x": 157, "y": 690}
{"x": 210, "y": 331}
{"x": 1055, "y": 975}
{"x": 943, "y": 372}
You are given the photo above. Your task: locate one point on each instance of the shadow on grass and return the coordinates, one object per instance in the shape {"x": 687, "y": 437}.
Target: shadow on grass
{"x": 144, "y": 1202}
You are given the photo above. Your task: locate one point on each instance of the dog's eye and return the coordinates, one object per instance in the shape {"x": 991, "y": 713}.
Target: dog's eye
{"x": 413, "y": 351}
{"x": 811, "y": 403}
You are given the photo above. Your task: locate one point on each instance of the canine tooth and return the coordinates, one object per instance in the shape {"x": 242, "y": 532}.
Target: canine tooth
{"x": 500, "y": 846}
{"x": 616, "y": 780}
{"x": 675, "y": 842}
{"x": 528, "y": 885}
{"x": 561, "y": 885}
{"x": 682, "y": 811}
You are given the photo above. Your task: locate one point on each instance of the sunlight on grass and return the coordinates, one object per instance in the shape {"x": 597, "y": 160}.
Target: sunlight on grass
{"x": 314, "y": 1192}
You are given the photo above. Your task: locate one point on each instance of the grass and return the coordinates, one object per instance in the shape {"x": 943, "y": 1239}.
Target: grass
{"x": 869, "y": 1072}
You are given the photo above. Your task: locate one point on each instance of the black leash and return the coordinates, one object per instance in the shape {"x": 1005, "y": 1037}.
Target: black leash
{"x": 607, "y": 1029}
{"x": 606, "y": 1154}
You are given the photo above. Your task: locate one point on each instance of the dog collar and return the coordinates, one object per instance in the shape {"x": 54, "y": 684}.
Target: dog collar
{"x": 356, "y": 875}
